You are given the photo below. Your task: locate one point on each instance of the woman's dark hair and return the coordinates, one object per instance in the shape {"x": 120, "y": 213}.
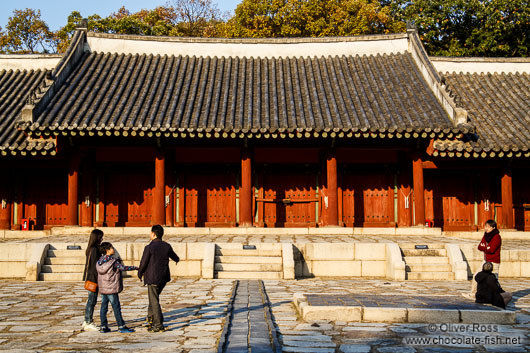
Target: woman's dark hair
{"x": 96, "y": 236}
{"x": 104, "y": 247}
{"x": 491, "y": 223}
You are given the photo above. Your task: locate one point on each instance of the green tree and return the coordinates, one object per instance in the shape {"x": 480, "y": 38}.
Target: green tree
{"x": 310, "y": 18}
{"x": 64, "y": 35}
{"x": 468, "y": 27}
{"x": 28, "y": 33}
{"x": 145, "y": 22}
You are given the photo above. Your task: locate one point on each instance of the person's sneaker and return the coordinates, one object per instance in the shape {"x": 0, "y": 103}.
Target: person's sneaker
{"x": 468, "y": 295}
{"x": 157, "y": 329}
{"x": 125, "y": 329}
{"x": 104, "y": 329}
{"x": 89, "y": 326}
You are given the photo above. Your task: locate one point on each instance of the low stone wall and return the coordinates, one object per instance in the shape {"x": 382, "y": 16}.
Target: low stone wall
{"x": 24, "y": 260}
{"x": 340, "y": 260}
{"x": 514, "y": 263}
{"x": 15, "y": 257}
{"x": 191, "y": 257}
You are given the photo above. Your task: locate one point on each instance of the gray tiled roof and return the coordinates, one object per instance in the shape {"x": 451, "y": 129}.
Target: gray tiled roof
{"x": 15, "y": 87}
{"x": 498, "y": 106}
{"x": 230, "y": 94}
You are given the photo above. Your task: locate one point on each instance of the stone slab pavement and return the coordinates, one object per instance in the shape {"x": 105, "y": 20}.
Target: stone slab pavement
{"x": 507, "y": 244}
{"x": 47, "y": 317}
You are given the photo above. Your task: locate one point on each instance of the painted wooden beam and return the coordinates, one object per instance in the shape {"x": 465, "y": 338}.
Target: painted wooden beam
{"x": 507, "y": 199}
{"x": 73, "y": 188}
{"x": 419, "y": 199}
{"x": 332, "y": 204}
{"x": 159, "y": 210}
{"x": 245, "y": 193}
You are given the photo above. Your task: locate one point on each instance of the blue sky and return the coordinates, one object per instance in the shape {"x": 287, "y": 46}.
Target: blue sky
{"x": 55, "y": 12}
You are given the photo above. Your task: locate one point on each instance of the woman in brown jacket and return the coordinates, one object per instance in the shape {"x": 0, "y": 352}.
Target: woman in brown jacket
{"x": 92, "y": 255}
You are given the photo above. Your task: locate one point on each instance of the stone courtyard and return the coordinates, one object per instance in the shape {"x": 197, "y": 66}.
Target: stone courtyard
{"x": 47, "y": 317}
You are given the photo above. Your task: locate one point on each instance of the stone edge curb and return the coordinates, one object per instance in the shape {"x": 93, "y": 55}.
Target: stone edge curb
{"x": 502, "y": 317}
{"x": 272, "y": 330}
{"x": 228, "y": 318}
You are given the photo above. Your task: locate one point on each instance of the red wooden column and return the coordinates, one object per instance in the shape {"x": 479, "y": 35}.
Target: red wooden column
{"x": 507, "y": 199}
{"x": 159, "y": 210}
{"x": 333, "y": 201}
{"x": 245, "y": 192}
{"x": 419, "y": 198}
{"x": 87, "y": 205}
{"x": 73, "y": 188}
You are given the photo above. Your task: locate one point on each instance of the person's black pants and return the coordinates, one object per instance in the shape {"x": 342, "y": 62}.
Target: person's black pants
{"x": 154, "y": 312}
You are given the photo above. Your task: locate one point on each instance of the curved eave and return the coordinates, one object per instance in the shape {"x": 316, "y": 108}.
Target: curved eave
{"x": 108, "y": 131}
{"x": 515, "y": 153}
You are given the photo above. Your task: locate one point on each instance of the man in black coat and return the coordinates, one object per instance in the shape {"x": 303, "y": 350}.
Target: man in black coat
{"x": 489, "y": 290}
{"x": 154, "y": 268}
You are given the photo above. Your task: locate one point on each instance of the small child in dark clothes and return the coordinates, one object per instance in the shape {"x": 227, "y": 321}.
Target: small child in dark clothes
{"x": 110, "y": 283}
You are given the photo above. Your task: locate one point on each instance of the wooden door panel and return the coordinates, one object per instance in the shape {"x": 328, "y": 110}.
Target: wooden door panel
{"x": 289, "y": 199}
{"x": 210, "y": 199}
{"x": 128, "y": 197}
{"x": 368, "y": 200}
{"x": 521, "y": 199}
{"x": 449, "y": 200}
{"x": 45, "y": 199}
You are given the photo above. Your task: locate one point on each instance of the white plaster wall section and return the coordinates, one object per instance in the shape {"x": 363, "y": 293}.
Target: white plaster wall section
{"x": 28, "y": 62}
{"x": 255, "y": 50}
{"x": 481, "y": 65}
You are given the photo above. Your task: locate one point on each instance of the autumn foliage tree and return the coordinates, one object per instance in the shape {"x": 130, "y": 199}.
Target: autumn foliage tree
{"x": 446, "y": 27}
{"x": 310, "y": 18}
{"x": 26, "y": 32}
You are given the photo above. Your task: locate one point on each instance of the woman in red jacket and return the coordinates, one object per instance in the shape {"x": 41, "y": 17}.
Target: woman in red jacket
{"x": 490, "y": 245}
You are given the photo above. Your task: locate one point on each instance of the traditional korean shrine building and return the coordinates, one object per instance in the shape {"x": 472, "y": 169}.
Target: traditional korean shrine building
{"x": 353, "y": 131}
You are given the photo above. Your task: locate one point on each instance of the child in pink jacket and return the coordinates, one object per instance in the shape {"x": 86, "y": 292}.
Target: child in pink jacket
{"x": 110, "y": 283}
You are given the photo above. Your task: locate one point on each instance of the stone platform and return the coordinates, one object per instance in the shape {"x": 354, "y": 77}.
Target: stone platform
{"x": 47, "y": 317}
{"x": 398, "y": 308}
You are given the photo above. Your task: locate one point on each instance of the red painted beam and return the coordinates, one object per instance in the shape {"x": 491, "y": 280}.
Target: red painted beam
{"x": 159, "y": 211}
{"x": 73, "y": 188}
{"x": 419, "y": 198}
{"x": 507, "y": 199}
{"x": 245, "y": 192}
{"x": 333, "y": 204}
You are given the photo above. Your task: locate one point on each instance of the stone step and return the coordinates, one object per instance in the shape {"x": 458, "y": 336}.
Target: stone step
{"x": 431, "y": 276}
{"x": 249, "y": 275}
{"x": 250, "y": 252}
{"x": 63, "y": 268}
{"x": 430, "y": 245}
{"x": 64, "y": 261}
{"x": 424, "y": 252}
{"x": 248, "y": 267}
{"x": 426, "y": 260}
{"x": 428, "y": 267}
{"x": 70, "y": 277}
{"x": 249, "y": 259}
{"x": 66, "y": 253}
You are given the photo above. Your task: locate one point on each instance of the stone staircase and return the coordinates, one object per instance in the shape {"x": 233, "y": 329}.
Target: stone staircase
{"x": 63, "y": 265}
{"x": 430, "y": 264}
{"x": 234, "y": 262}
